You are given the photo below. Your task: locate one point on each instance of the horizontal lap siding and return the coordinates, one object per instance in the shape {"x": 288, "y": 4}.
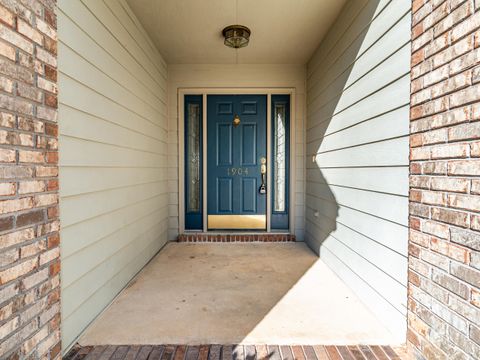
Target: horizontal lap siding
{"x": 113, "y": 136}
{"x": 357, "y": 154}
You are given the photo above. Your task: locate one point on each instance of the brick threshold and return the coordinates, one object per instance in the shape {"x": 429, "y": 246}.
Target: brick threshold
{"x": 237, "y": 352}
{"x": 235, "y": 237}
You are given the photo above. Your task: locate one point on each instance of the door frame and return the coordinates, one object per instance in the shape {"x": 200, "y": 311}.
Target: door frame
{"x": 181, "y": 150}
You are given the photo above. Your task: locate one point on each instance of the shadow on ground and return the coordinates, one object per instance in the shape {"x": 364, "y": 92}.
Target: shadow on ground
{"x": 236, "y": 294}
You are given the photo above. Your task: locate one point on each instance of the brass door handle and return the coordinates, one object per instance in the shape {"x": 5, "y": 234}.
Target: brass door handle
{"x": 263, "y": 172}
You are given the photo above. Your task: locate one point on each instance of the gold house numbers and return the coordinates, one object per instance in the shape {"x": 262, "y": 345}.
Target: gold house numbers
{"x": 237, "y": 171}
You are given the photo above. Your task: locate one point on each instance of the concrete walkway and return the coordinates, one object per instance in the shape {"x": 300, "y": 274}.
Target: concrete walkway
{"x": 236, "y": 294}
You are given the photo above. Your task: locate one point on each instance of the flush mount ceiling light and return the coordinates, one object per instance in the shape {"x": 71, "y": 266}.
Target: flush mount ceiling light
{"x": 236, "y": 36}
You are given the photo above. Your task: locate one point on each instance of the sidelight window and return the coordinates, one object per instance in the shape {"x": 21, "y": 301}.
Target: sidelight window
{"x": 280, "y": 156}
{"x": 193, "y": 162}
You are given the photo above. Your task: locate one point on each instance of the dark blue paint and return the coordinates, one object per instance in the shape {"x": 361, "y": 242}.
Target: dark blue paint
{"x": 193, "y": 220}
{"x": 279, "y": 219}
{"x": 238, "y": 147}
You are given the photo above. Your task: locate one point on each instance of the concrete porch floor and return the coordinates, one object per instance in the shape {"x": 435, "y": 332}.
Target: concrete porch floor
{"x": 236, "y": 294}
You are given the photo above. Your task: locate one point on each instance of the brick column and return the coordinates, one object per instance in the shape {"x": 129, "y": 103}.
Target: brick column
{"x": 29, "y": 224}
{"x": 444, "y": 246}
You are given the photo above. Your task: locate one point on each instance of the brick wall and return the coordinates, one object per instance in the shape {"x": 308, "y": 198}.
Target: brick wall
{"x": 444, "y": 250}
{"x": 29, "y": 240}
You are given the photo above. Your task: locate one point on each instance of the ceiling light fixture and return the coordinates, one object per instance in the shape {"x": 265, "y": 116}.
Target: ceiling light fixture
{"x": 236, "y": 36}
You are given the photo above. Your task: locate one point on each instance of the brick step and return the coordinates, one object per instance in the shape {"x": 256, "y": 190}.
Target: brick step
{"x": 238, "y": 352}
{"x": 230, "y": 238}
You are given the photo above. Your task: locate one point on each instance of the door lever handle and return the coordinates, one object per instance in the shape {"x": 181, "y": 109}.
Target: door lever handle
{"x": 263, "y": 172}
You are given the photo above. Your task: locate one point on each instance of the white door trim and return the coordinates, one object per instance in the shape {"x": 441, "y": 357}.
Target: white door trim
{"x": 181, "y": 149}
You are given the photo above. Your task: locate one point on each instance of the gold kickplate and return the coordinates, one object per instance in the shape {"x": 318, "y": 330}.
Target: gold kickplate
{"x": 233, "y": 222}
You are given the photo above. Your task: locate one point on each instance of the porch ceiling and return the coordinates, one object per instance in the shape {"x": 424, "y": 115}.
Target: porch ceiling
{"x": 283, "y": 31}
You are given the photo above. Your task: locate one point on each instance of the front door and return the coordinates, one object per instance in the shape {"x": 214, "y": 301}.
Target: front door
{"x": 236, "y": 161}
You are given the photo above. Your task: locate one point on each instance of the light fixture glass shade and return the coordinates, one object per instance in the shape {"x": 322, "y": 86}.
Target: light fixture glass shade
{"x": 236, "y": 36}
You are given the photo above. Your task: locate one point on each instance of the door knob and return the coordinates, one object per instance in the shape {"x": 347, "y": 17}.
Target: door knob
{"x": 263, "y": 172}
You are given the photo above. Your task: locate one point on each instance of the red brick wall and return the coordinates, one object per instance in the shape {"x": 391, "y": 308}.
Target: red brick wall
{"x": 444, "y": 250}
{"x": 29, "y": 240}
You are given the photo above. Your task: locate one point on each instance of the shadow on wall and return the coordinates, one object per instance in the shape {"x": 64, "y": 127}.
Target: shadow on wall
{"x": 357, "y": 130}
{"x": 322, "y": 101}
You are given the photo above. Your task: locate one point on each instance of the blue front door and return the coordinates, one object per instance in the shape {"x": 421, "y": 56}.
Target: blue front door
{"x": 236, "y": 158}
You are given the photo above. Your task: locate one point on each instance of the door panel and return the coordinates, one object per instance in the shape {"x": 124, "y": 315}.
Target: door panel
{"x": 224, "y": 195}
{"x": 249, "y": 195}
{"x": 225, "y": 107}
{"x": 224, "y": 144}
{"x": 233, "y": 161}
{"x": 249, "y": 145}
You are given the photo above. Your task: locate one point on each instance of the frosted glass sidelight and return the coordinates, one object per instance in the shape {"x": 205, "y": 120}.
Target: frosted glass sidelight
{"x": 279, "y": 157}
{"x": 193, "y": 158}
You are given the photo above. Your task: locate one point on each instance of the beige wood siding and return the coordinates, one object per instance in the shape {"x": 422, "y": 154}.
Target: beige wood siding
{"x": 357, "y": 153}
{"x": 113, "y": 140}
{"x": 237, "y": 77}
